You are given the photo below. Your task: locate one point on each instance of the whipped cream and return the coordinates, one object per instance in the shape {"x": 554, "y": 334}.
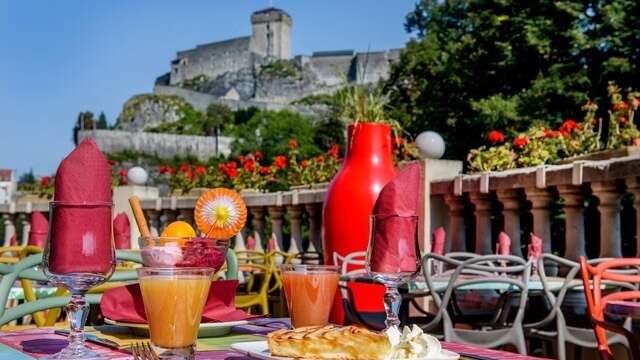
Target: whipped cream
{"x": 411, "y": 343}
{"x": 159, "y": 256}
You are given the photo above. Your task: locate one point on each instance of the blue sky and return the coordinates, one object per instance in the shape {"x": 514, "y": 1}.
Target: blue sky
{"x": 61, "y": 57}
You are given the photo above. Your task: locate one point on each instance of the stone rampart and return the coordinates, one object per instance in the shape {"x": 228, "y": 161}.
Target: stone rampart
{"x": 162, "y": 145}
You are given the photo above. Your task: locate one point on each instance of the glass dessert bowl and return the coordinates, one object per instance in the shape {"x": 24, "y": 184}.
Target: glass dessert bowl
{"x": 188, "y": 252}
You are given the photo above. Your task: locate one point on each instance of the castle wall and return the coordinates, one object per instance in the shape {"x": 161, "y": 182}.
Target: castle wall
{"x": 328, "y": 70}
{"x": 162, "y": 145}
{"x": 212, "y": 60}
{"x": 371, "y": 67}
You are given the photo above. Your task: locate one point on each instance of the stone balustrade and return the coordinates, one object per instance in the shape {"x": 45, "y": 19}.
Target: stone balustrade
{"x": 562, "y": 204}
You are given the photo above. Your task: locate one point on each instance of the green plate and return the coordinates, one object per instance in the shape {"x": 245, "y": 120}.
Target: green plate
{"x": 212, "y": 329}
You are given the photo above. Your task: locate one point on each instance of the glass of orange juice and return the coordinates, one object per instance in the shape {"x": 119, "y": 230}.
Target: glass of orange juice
{"x": 309, "y": 290}
{"x": 173, "y": 301}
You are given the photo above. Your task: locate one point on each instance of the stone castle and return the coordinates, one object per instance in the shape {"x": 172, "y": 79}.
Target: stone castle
{"x": 250, "y": 71}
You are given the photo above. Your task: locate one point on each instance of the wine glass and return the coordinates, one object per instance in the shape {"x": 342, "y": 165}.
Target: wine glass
{"x": 393, "y": 257}
{"x": 79, "y": 255}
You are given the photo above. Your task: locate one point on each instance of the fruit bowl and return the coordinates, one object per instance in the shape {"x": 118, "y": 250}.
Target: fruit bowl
{"x": 173, "y": 251}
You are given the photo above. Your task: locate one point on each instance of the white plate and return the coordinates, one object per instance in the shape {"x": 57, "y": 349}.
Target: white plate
{"x": 260, "y": 350}
{"x": 211, "y": 329}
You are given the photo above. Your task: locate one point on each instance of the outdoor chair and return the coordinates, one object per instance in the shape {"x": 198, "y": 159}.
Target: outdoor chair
{"x": 351, "y": 268}
{"x": 504, "y": 275}
{"x": 259, "y": 296}
{"x": 555, "y": 326}
{"x": 593, "y": 277}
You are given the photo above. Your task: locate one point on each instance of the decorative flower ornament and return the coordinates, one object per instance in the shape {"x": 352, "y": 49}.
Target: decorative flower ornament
{"x": 220, "y": 213}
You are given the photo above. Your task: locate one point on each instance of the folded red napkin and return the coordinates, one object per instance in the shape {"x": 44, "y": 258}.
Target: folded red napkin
{"x": 39, "y": 230}
{"x": 122, "y": 231}
{"x": 535, "y": 248}
{"x": 394, "y": 249}
{"x": 437, "y": 245}
{"x": 13, "y": 241}
{"x": 504, "y": 244}
{"x": 83, "y": 238}
{"x": 125, "y": 304}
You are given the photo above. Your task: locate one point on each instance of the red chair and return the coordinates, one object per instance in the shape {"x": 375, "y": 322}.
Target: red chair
{"x": 592, "y": 279}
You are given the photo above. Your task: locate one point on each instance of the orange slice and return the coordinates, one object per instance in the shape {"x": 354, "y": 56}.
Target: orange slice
{"x": 220, "y": 213}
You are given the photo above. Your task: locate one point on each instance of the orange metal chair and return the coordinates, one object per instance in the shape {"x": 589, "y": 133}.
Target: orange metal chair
{"x": 592, "y": 277}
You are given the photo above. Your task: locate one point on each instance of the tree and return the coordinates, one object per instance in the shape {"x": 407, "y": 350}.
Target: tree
{"x": 270, "y": 131}
{"x": 216, "y": 116}
{"x": 477, "y": 65}
{"x": 84, "y": 121}
{"x": 102, "y": 121}
{"x": 27, "y": 178}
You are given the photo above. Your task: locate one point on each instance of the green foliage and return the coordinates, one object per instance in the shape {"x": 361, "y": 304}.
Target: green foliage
{"x": 194, "y": 83}
{"x": 317, "y": 99}
{"x": 278, "y": 69}
{"x": 168, "y": 103}
{"x": 475, "y": 65}
{"x": 270, "y": 131}
{"x": 358, "y": 103}
{"x": 27, "y": 178}
{"x": 102, "y": 121}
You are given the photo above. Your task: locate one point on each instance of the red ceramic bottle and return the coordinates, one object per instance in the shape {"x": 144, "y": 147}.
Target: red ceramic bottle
{"x": 367, "y": 167}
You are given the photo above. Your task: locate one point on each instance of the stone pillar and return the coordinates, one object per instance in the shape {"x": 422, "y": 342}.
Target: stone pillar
{"x": 26, "y": 227}
{"x": 540, "y": 200}
{"x": 633, "y": 186}
{"x": 456, "y": 234}
{"x": 240, "y": 243}
{"x": 154, "y": 221}
{"x": 510, "y": 200}
{"x": 609, "y": 207}
{"x": 315, "y": 227}
{"x": 574, "y": 221}
{"x": 482, "y": 212}
{"x": 295, "y": 212}
{"x": 9, "y": 228}
{"x": 258, "y": 226}
{"x": 276, "y": 213}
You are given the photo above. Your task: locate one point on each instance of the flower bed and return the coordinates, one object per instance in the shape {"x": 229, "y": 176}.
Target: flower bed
{"x": 572, "y": 140}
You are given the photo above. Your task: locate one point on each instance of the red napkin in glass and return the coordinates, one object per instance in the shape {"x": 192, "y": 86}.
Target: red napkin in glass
{"x": 251, "y": 243}
{"x": 125, "y": 304}
{"x": 271, "y": 244}
{"x": 504, "y": 244}
{"x": 437, "y": 244}
{"x": 83, "y": 235}
{"x": 14, "y": 240}
{"x": 122, "y": 231}
{"x": 394, "y": 249}
{"x": 39, "y": 230}
{"x": 535, "y": 248}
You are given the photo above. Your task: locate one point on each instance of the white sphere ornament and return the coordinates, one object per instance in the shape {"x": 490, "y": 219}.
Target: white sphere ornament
{"x": 430, "y": 145}
{"x": 137, "y": 176}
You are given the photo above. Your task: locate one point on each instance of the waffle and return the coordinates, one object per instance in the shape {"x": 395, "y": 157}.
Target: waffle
{"x": 329, "y": 342}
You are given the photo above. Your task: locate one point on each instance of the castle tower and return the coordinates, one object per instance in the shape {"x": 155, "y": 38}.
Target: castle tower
{"x": 271, "y": 33}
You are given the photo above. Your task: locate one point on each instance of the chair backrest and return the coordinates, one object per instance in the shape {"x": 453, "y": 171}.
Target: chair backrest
{"x": 265, "y": 269}
{"x": 252, "y": 256}
{"x": 503, "y": 272}
{"x": 593, "y": 277}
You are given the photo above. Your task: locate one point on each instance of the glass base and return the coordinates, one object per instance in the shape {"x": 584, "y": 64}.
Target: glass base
{"x": 78, "y": 352}
{"x": 181, "y": 353}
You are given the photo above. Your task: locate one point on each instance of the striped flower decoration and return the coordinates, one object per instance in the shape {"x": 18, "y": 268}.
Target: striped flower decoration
{"x": 220, "y": 213}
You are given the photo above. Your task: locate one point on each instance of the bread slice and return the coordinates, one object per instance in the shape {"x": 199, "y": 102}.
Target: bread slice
{"x": 329, "y": 342}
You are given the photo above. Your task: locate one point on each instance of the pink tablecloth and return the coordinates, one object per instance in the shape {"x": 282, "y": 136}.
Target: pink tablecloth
{"x": 43, "y": 342}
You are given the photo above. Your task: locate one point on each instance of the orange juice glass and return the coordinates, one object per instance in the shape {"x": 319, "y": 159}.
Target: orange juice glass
{"x": 173, "y": 301}
{"x": 309, "y": 290}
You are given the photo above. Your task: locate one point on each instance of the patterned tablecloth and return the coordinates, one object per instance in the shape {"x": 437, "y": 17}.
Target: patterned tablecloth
{"x": 38, "y": 343}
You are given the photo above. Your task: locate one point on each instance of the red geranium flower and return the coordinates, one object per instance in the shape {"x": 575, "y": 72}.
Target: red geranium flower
{"x": 622, "y": 105}
{"x": 280, "y": 162}
{"x": 264, "y": 170}
{"x": 232, "y": 173}
{"x": 201, "y": 170}
{"x": 44, "y": 181}
{"x": 304, "y": 164}
{"x": 568, "y": 126}
{"x": 232, "y": 165}
{"x": 334, "y": 150}
{"x": 293, "y": 144}
{"x": 184, "y": 167}
{"x": 112, "y": 163}
{"x": 258, "y": 155}
{"x": 122, "y": 173}
{"x": 495, "y": 137}
{"x": 398, "y": 141}
{"x": 320, "y": 159}
{"x": 624, "y": 120}
{"x": 550, "y": 133}
{"x": 520, "y": 141}
{"x": 249, "y": 165}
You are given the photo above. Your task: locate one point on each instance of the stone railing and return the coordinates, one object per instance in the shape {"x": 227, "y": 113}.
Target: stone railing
{"x": 584, "y": 198}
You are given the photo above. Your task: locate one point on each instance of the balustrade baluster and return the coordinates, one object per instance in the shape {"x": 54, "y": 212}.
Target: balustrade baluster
{"x": 510, "y": 200}
{"x": 540, "y": 200}
{"x": 258, "y": 226}
{"x": 482, "y": 212}
{"x": 633, "y": 186}
{"x": 315, "y": 227}
{"x": 154, "y": 221}
{"x": 574, "y": 221}
{"x": 26, "y": 227}
{"x": 9, "y": 228}
{"x": 609, "y": 207}
{"x": 295, "y": 212}
{"x": 276, "y": 213}
{"x": 456, "y": 233}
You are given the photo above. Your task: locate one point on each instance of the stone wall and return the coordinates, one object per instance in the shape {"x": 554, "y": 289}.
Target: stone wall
{"x": 162, "y": 145}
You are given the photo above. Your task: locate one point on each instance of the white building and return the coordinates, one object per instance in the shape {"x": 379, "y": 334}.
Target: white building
{"x": 8, "y": 185}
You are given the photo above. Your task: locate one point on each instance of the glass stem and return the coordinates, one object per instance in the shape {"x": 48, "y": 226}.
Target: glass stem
{"x": 392, "y": 302}
{"x": 77, "y": 312}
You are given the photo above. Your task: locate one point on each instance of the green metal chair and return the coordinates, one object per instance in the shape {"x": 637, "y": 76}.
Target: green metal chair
{"x": 25, "y": 269}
